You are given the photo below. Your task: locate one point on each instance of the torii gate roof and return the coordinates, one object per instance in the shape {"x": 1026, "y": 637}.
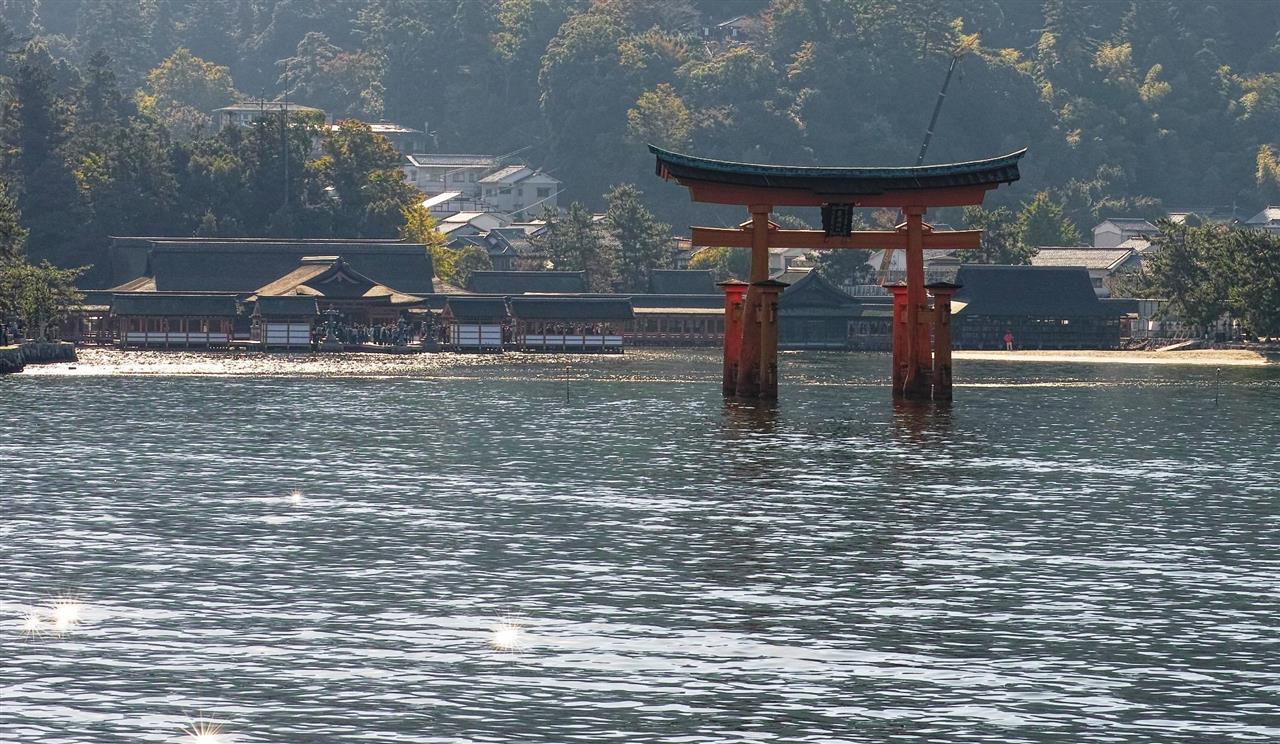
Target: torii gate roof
{"x": 727, "y": 182}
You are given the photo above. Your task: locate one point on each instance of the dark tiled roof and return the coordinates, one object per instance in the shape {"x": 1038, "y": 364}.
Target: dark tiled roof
{"x": 571, "y": 308}
{"x": 159, "y": 303}
{"x": 522, "y": 282}
{"x": 467, "y": 308}
{"x": 678, "y": 300}
{"x": 847, "y": 181}
{"x": 813, "y": 290}
{"x": 291, "y": 305}
{"x": 245, "y": 265}
{"x": 1119, "y": 305}
{"x": 1047, "y": 291}
{"x": 669, "y": 281}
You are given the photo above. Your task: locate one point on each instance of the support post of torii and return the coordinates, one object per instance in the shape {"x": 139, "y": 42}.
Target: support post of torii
{"x": 922, "y": 337}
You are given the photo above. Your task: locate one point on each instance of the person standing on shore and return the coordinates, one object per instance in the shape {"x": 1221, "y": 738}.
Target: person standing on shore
{"x": 1008, "y": 340}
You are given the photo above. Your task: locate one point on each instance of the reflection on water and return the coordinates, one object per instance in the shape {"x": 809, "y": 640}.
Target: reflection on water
{"x": 1083, "y": 554}
{"x": 920, "y": 421}
{"x": 747, "y": 417}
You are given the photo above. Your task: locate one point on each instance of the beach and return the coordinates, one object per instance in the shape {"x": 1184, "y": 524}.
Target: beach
{"x": 1207, "y": 357}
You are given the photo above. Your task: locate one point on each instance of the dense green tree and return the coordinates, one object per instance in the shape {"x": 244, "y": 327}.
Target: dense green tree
{"x": 101, "y": 103}
{"x": 35, "y": 132}
{"x": 13, "y": 236}
{"x": 724, "y": 263}
{"x": 469, "y": 260}
{"x": 1001, "y": 238}
{"x": 643, "y": 243}
{"x": 574, "y": 242}
{"x": 120, "y": 26}
{"x": 585, "y": 99}
{"x": 368, "y": 187}
{"x": 1041, "y": 222}
{"x": 127, "y": 183}
{"x": 40, "y": 295}
{"x": 1210, "y": 270}
{"x": 323, "y": 75}
{"x": 182, "y": 91}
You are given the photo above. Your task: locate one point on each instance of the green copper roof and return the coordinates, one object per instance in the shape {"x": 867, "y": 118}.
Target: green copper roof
{"x": 838, "y": 180}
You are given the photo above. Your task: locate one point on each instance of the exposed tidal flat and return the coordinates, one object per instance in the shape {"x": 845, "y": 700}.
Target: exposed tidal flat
{"x": 447, "y": 548}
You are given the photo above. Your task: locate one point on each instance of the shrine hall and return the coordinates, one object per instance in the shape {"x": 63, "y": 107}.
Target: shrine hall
{"x": 921, "y": 320}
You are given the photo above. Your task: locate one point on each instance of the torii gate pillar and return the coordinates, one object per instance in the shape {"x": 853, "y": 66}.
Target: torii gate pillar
{"x": 735, "y": 294}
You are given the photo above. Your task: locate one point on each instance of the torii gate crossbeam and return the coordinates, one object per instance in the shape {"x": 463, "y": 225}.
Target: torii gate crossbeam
{"x": 921, "y": 333}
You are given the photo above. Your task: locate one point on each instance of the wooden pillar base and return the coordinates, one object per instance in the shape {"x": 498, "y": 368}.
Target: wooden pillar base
{"x": 942, "y": 293}
{"x": 734, "y": 296}
{"x": 770, "y": 290}
{"x": 748, "y": 382}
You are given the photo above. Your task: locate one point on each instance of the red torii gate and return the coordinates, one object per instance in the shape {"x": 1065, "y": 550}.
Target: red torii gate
{"x": 921, "y": 370}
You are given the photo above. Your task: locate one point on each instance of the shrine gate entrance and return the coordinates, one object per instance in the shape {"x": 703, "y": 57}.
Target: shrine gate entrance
{"x": 921, "y": 331}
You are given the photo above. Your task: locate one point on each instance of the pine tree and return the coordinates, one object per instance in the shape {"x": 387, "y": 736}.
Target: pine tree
{"x": 1042, "y": 223}
{"x": 13, "y": 236}
{"x": 642, "y": 242}
{"x": 35, "y": 131}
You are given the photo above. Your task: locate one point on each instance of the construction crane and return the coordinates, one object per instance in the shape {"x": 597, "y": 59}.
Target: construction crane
{"x": 966, "y": 44}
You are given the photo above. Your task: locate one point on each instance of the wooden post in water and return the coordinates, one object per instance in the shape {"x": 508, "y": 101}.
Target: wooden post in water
{"x": 734, "y": 295}
{"x": 916, "y": 385}
{"x": 769, "y": 292}
{"x": 942, "y": 293}
{"x": 900, "y": 336}
{"x": 748, "y": 383}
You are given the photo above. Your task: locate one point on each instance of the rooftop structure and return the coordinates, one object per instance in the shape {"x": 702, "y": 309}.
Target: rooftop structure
{"x": 526, "y": 282}
{"x": 727, "y": 182}
{"x": 1113, "y": 231}
{"x": 1101, "y": 263}
{"x": 1268, "y": 219}
{"x": 246, "y": 265}
{"x": 244, "y": 113}
{"x": 682, "y": 282}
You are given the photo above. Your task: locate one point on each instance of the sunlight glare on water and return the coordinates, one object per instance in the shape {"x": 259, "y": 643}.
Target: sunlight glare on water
{"x": 1085, "y": 553}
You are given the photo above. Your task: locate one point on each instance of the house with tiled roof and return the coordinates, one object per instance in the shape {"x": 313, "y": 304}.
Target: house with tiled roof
{"x": 520, "y": 191}
{"x": 1268, "y": 220}
{"x": 1101, "y": 263}
{"x": 1113, "y": 231}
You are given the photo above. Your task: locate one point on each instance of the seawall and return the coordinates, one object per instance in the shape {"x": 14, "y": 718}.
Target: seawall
{"x": 10, "y": 359}
{"x": 13, "y": 358}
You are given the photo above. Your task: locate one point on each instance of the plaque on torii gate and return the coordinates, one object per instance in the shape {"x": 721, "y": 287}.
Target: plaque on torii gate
{"x": 921, "y": 333}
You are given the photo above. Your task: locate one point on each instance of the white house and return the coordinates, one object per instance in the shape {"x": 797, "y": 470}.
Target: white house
{"x": 1113, "y": 231}
{"x": 1268, "y": 219}
{"x": 243, "y": 114}
{"x": 520, "y": 191}
{"x": 438, "y": 173}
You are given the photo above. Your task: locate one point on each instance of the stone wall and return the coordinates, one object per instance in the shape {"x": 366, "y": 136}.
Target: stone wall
{"x": 12, "y": 358}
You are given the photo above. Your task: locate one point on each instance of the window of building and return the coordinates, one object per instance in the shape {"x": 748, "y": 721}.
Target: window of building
{"x": 544, "y": 192}
{"x": 504, "y": 190}
{"x": 520, "y": 192}
{"x": 472, "y": 177}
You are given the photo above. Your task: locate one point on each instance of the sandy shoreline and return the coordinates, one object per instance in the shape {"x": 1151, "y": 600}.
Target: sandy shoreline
{"x": 1204, "y": 357}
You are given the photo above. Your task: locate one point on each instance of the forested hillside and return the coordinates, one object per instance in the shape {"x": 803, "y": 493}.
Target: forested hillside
{"x": 1124, "y": 105}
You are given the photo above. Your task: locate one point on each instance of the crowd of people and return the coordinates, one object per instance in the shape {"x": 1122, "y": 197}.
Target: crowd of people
{"x": 401, "y": 333}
